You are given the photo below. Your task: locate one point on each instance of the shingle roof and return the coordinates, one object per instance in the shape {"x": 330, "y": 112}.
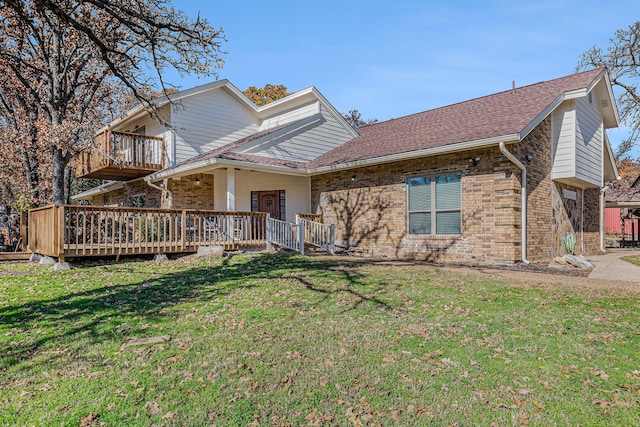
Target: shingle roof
{"x": 623, "y": 195}
{"x": 495, "y": 115}
{"x": 500, "y": 114}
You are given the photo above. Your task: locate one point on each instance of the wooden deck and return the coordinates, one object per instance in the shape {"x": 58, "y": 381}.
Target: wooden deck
{"x": 14, "y": 256}
{"x": 80, "y": 231}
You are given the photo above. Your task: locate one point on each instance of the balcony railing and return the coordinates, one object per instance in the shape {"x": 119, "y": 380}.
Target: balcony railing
{"x": 122, "y": 156}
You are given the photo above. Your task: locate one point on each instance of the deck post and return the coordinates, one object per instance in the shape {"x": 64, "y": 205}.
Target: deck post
{"x": 58, "y": 232}
{"x": 268, "y": 231}
{"x": 183, "y": 229}
{"x": 332, "y": 239}
{"x": 300, "y": 238}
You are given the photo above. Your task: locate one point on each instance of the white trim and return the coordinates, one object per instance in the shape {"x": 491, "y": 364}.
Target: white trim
{"x": 216, "y": 163}
{"x": 96, "y": 191}
{"x": 622, "y": 204}
{"x": 445, "y": 149}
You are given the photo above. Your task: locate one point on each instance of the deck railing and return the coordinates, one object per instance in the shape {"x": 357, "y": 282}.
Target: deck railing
{"x": 123, "y": 150}
{"x": 317, "y": 234}
{"x": 78, "y": 231}
{"x": 304, "y": 232}
{"x": 285, "y": 235}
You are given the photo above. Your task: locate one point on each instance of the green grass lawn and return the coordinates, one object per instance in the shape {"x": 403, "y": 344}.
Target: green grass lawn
{"x": 633, "y": 259}
{"x": 276, "y": 339}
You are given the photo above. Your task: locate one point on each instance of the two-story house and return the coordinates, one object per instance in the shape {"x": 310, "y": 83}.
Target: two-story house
{"x": 495, "y": 179}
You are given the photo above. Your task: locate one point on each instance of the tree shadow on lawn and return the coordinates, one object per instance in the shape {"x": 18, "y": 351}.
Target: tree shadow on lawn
{"x": 68, "y": 318}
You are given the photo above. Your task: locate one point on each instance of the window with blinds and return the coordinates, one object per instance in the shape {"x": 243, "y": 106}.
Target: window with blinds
{"x": 434, "y": 204}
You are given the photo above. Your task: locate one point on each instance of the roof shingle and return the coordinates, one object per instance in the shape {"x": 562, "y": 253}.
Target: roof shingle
{"x": 495, "y": 115}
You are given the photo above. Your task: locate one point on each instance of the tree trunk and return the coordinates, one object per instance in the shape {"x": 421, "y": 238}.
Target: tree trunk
{"x": 57, "y": 176}
{"x": 68, "y": 174}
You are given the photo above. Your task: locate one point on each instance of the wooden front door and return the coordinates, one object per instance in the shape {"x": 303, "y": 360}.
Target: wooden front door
{"x": 268, "y": 201}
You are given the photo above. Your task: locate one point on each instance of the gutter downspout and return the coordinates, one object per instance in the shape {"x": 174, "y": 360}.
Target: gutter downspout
{"x": 602, "y": 191}
{"x": 522, "y": 168}
{"x": 165, "y": 191}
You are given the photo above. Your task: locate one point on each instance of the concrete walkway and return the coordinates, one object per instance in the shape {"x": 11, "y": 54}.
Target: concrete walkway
{"x": 610, "y": 267}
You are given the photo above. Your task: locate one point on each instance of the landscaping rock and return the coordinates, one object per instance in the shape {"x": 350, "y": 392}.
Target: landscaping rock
{"x": 61, "y": 266}
{"x": 47, "y": 261}
{"x": 560, "y": 260}
{"x": 35, "y": 258}
{"x": 577, "y": 261}
{"x": 160, "y": 257}
{"x": 210, "y": 251}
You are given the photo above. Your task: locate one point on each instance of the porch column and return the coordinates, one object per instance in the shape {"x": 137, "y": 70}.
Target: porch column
{"x": 231, "y": 189}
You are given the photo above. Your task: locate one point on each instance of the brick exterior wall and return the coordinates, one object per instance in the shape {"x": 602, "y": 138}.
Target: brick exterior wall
{"x": 370, "y": 212}
{"x": 568, "y": 218}
{"x": 124, "y": 196}
{"x": 186, "y": 194}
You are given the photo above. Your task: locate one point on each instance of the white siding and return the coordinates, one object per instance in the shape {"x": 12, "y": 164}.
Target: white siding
{"x": 589, "y": 141}
{"x": 209, "y": 120}
{"x": 291, "y": 115}
{"x": 152, "y": 127}
{"x": 563, "y": 126}
{"x": 304, "y": 141}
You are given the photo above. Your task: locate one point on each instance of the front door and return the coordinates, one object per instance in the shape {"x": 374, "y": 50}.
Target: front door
{"x": 268, "y": 201}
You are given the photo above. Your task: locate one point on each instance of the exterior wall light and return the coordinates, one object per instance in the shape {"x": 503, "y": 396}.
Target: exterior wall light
{"x": 353, "y": 178}
{"x": 474, "y": 160}
{"x": 529, "y": 157}
{"x": 197, "y": 181}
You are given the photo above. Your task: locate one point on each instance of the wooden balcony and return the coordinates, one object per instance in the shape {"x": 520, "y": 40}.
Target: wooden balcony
{"x": 122, "y": 156}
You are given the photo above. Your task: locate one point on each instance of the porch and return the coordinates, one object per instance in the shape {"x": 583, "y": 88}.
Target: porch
{"x": 122, "y": 156}
{"x": 67, "y": 231}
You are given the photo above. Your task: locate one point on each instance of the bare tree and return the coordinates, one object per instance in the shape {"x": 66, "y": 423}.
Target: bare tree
{"x": 622, "y": 59}
{"x": 354, "y": 118}
{"x": 71, "y": 57}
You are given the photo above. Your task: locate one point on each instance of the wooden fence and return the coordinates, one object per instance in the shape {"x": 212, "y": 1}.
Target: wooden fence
{"x": 79, "y": 231}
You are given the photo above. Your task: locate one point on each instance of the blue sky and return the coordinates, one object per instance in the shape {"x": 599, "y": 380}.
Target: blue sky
{"x": 392, "y": 58}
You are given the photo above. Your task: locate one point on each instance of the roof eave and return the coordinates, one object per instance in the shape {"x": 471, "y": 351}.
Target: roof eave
{"x": 98, "y": 190}
{"x": 622, "y": 204}
{"x": 427, "y": 152}
{"x": 208, "y": 165}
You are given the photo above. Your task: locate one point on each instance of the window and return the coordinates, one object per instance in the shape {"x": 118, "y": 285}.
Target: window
{"x": 434, "y": 204}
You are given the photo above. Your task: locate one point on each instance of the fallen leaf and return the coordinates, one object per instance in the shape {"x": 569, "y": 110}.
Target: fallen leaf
{"x": 538, "y": 404}
{"x": 153, "y": 407}
{"x": 89, "y": 420}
